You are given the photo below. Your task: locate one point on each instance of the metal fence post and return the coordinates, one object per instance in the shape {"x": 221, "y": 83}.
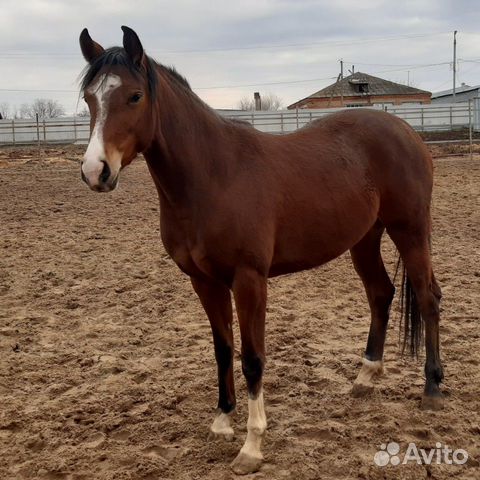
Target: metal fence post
{"x": 75, "y": 128}
{"x": 38, "y": 130}
{"x": 470, "y": 127}
{"x": 451, "y": 117}
{"x": 44, "y": 133}
{"x": 13, "y": 131}
{"x": 476, "y": 114}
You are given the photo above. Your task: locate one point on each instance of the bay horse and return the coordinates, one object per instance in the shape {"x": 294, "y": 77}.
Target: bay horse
{"x": 239, "y": 206}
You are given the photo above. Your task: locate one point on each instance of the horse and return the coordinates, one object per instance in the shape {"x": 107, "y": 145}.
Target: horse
{"x": 238, "y": 206}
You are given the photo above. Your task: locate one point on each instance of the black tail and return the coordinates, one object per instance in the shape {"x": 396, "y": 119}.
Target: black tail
{"x": 413, "y": 324}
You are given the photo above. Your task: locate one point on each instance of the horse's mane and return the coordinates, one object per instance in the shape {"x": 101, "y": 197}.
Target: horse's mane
{"x": 149, "y": 69}
{"x": 118, "y": 56}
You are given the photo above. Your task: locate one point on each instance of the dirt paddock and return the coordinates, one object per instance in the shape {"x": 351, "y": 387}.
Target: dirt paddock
{"x": 106, "y": 358}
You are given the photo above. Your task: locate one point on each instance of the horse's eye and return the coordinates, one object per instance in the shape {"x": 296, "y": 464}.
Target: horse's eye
{"x": 135, "y": 98}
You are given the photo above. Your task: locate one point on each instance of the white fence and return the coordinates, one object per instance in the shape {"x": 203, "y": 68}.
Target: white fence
{"x": 55, "y": 130}
{"x": 422, "y": 118}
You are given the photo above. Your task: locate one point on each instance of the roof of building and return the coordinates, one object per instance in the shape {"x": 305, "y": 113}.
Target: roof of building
{"x": 462, "y": 89}
{"x": 376, "y": 86}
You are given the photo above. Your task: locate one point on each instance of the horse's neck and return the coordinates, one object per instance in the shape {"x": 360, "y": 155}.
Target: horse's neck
{"x": 187, "y": 148}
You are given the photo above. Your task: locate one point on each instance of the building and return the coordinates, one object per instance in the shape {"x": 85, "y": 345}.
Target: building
{"x": 462, "y": 94}
{"x": 360, "y": 90}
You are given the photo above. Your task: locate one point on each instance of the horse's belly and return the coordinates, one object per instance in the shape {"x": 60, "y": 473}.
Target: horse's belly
{"x": 297, "y": 259}
{"x": 312, "y": 240}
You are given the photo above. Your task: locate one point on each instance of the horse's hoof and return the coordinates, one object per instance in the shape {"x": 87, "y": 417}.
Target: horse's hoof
{"x": 226, "y": 435}
{"x": 362, "y": 389}
{"x": 245, "y": 464}
{"x": 436, "y": 402}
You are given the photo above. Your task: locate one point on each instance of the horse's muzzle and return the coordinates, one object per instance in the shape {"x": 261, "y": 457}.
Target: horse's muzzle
{"x": 102, "y": 182}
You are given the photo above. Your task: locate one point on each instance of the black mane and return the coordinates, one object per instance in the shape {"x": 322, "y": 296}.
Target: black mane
{"x": 172, "y": 72}
{"x": 118, "y": 56}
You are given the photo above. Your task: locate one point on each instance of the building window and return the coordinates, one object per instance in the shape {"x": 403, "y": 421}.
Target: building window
{"x": 363, "y": 87}
{"x": 354, "y": 105}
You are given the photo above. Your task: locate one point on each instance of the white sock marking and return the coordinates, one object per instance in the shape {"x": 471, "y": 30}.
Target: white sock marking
{"x": 256, "y": 426}
{"x": 369, "y": 370}
{"x": 221, "y": 425}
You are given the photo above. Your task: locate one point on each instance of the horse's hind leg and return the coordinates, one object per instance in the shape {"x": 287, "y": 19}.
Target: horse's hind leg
{"x": 368, "y": 263}
{"x": 216, "y": 301}
{"x": 413, "y": 245}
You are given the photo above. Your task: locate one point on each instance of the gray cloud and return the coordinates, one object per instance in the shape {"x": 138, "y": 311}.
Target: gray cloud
{"x": 39, "y": 43}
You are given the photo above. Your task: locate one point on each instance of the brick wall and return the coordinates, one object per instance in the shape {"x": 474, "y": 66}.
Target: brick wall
{"x": 336, "y": 102}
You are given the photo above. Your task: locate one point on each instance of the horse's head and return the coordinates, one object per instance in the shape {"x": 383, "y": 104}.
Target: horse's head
{"x": 119, "y": 87}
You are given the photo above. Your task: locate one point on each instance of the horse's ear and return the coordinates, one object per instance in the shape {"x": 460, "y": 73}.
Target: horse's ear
{"x": 91, "y": 50}
{"x": 132, "y": 45}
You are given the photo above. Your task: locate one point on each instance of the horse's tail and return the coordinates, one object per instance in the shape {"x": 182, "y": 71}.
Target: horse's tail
{"x": 410, "y": 319}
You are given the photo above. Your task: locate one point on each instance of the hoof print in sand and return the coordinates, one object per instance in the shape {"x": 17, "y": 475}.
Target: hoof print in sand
{"x": 166, "y": 453}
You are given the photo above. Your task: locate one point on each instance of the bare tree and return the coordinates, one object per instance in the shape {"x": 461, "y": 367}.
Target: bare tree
{"x": 4, "y": 110}
{"x": 83, "y": 113}
{"x": 246, "y": 103}
{"x": 270, "y": 101}
{"x": 25, "y": 111}
{"x": 45, "y": 108}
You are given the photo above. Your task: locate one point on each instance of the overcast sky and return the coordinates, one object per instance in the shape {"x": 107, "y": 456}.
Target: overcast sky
{"x": 229, "y": 49}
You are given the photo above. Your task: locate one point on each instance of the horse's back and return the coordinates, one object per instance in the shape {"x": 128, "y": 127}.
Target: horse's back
{"x": 392, "y": 157}
{"x": 339, "y": 176}
{"x": 400, "y": 166}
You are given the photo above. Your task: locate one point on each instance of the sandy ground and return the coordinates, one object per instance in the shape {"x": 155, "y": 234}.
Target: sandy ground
{"x": 106, "y": 358}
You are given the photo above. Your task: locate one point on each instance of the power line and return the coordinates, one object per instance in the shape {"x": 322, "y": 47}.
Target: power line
{"x": 240, "y": 48}
{"x": 36, "y": 90}
{"x": 195, "y": 88}
{"x": 287, "y": 82}
{"x": 407, "y": 65}
{"x": 267, "y": 83}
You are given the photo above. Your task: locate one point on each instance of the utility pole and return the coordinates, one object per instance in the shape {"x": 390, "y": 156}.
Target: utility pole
{"x": 341, "y": 69}
{"x": 454, "y": 62}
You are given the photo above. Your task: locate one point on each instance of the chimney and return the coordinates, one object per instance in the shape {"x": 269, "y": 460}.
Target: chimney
{"x": 258, "y": 101}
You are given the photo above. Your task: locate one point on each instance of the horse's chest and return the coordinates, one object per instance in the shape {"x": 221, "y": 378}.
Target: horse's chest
{"x": 179, "y": 252}
{"x": 175, "y": 240}
{"x": 192, "y": 255}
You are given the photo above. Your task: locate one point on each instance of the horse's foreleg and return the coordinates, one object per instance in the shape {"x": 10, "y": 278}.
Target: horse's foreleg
{"x": 216, "y": 301}
{"x": 250, "y": 293}
{"x": 367, "y": 260}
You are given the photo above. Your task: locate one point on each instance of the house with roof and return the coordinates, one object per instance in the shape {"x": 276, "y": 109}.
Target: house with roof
{"x": 363, "y": 90}
{"x": 463, "y": 93}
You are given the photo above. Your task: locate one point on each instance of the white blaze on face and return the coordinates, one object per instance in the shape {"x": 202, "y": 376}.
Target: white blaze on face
{"x": 95, "y": 155}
